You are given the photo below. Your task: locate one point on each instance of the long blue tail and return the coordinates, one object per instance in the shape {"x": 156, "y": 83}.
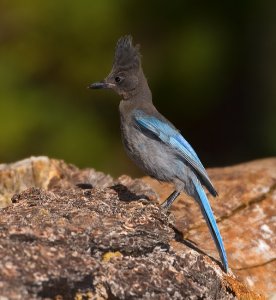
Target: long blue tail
{"x": 210, "y": 220}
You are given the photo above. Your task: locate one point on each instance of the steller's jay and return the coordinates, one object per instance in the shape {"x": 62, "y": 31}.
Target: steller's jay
{"x": 153, "y": 142}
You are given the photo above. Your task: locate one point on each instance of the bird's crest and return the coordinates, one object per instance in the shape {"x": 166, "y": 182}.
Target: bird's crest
{"x": 127, "y": 56}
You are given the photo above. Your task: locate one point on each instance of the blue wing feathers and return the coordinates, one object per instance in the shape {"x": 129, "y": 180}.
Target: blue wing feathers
{"x": 166, "y": 133}
{"x": 211, "y": 222}
{"x": 171, "y": 136}
{"x": 182, "y": 141}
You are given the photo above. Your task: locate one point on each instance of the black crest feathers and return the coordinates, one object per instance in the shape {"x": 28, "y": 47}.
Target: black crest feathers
{"x": 127, "y": 56}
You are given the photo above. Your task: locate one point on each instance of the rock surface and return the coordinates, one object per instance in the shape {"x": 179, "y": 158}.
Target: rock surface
{"x": 79, "y": 234}
{"x": 246, "y": 215}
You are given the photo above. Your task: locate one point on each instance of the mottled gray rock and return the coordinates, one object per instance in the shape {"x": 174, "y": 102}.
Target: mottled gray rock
{"x": 78, "y": 234}
{"x": 245, "y": 211}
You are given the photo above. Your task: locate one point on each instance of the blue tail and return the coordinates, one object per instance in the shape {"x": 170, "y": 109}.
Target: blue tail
{"x": 210, "y": 220}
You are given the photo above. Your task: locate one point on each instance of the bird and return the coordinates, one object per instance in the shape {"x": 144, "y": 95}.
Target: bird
{"x": 153, "y": 142}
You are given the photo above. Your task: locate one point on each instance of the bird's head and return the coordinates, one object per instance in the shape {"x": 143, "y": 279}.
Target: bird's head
{"x": 126, "y": 73}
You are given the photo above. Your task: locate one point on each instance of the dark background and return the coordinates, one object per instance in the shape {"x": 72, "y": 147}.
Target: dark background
{"x": 211, "y": 67}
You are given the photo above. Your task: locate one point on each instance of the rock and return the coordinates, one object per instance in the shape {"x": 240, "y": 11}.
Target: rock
{"x": 42, "y": 172}
{"x": 245, "y": 210}
{"x": 79, "y": 234}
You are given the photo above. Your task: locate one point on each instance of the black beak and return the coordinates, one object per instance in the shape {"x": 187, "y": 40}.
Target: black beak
{"x": 101, "y": 85}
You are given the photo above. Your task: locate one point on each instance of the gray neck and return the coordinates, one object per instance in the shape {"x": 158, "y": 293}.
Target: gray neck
{"x": 140, "y": 98}
{"x": 141, "y": 101}
{"x": 142, "y": 92}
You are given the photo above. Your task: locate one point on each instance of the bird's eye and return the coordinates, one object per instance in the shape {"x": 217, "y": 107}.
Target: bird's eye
{"x": 117, "y": 79}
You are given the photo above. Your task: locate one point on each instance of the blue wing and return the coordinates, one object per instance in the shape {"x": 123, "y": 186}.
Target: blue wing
{"x": 172, "y": 137}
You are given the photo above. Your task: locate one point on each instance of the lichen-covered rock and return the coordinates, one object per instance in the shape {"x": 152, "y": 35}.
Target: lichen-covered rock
{"x": 246, "y": 210}
{"x": 79, "y": 234}
{"x": 68, "y": 242}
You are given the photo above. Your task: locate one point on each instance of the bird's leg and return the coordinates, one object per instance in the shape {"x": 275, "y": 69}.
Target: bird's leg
{"x": 167, "y": 203}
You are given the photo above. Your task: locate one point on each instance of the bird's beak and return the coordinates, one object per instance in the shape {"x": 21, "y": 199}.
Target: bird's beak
{"x": 101, "y": 85}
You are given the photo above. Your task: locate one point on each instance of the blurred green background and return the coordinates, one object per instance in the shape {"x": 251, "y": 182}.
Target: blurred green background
{"x": 211, "y": 67}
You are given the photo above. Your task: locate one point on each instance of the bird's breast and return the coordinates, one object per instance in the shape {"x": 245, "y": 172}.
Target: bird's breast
{"x": 149, "y": 153}
{"x": 133, "y": 140}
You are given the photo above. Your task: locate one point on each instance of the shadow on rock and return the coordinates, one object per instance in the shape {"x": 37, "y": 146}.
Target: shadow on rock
{"x": 125, "y": 194}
